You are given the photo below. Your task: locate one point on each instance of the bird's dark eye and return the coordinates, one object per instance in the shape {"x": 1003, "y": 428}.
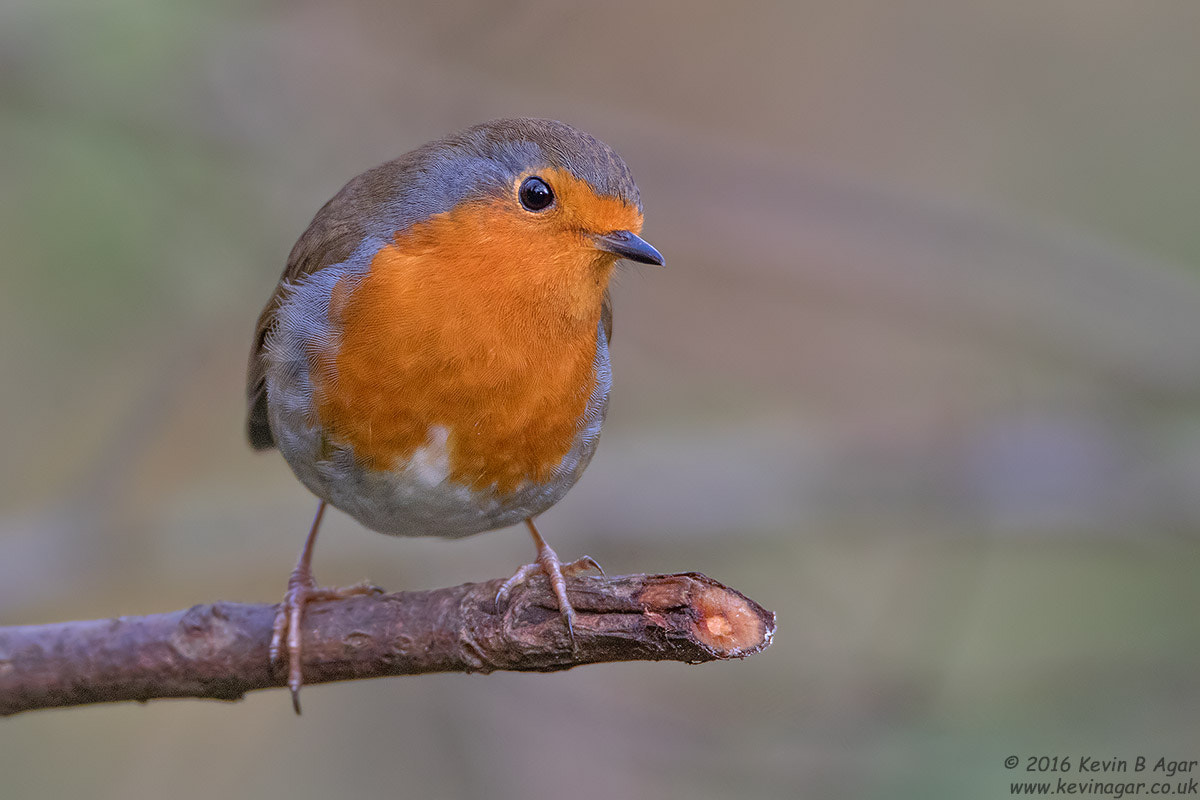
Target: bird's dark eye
{"x": 535, "y": 194}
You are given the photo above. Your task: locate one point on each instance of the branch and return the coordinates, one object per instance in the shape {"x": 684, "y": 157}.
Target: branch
{"x": 219, "y": 651}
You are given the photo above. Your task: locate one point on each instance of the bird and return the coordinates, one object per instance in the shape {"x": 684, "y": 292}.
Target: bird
{"x": 434, "y": 360}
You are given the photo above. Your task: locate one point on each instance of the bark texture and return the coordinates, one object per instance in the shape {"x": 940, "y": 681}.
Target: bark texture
{"x": 219, "y": 650}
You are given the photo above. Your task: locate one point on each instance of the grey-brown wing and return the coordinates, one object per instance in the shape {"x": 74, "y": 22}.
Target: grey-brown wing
{"x": 318, "y": 248}
{"x": 331, "y": 238}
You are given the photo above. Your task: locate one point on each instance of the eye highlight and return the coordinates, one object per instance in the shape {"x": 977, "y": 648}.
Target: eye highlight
{"x": 535, "y": 194}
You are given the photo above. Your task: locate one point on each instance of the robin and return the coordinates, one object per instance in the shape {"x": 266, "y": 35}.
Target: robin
{"x": 434, "y": 360}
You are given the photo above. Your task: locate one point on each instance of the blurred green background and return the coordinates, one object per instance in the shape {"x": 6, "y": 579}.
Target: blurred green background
{"x": 922, "y": 376}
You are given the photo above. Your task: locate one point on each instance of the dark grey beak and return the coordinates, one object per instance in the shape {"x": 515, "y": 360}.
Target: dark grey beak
{"x": 628, "y": 245}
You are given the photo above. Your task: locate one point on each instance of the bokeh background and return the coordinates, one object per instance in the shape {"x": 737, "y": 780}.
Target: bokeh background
{"x": 922, "y": 375}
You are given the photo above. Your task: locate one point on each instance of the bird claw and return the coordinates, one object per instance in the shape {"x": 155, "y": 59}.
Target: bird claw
{"x": 548, "y": 563}
{"x": 523, "y": 574}
{"x": 302, "y": 590}
{"x": 519, "y": 577}
{"x": 583, "y": 564}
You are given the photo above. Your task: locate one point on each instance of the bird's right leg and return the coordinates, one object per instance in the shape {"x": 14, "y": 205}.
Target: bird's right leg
{"x": 302, "y": 589}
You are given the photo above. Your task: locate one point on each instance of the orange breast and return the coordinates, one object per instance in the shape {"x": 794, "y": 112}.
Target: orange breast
{"x": 473, "y": 321}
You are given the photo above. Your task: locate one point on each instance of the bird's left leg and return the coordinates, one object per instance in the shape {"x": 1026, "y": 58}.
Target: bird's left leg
{"x": 549, "y": 563}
